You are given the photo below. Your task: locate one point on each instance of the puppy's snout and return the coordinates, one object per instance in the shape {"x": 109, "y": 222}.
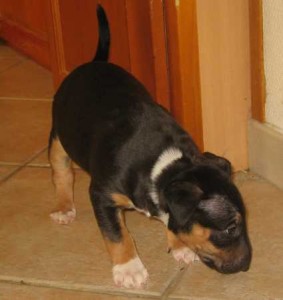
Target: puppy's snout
{"x": 241, "y": 263}
{"x": 231, "y": 263}
{"x": 246, "y": 258}
{"x": 246, "y": 268}
{"x": 246, "y": 261}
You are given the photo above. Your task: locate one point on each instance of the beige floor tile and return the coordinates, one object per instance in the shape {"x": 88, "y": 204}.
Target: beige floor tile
{"x": 38, "y": 252}
{"x": 25, "y": 292}
{"x": 264, "y": 279}
{"x": 8, "y": 52}
{"x": 24, "y": 129}
{"x": 7, "y": 63}
{"x": 26, "y": 80}
{"x": 6, "y": 171}
{"x": 9, "y": 57}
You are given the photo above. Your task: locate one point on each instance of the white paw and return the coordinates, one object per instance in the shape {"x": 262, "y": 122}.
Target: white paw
{"x": 185, "y": 255}
{"x": 132, "y": 274}
{"x": 63, "y": 218}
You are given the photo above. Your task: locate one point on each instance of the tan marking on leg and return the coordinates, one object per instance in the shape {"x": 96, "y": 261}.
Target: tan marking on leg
{"x": 128, "y": 270}
{"x": 63, "y": 178}
{"x": 122, "y": 200}
{"x": 125, "y": 250}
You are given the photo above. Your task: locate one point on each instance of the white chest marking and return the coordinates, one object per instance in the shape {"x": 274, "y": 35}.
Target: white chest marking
{"x": 166, "y": 158}
{"x": 147, "y": 213}
{"x": 164, "y": 218}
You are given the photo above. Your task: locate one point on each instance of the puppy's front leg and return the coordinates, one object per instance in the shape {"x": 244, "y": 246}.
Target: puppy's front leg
{"x": 179, "y": 250}
{"x": 128, "y": 270}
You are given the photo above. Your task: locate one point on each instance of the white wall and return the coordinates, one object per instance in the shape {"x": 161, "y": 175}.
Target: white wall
{"x": 273, "y": 61}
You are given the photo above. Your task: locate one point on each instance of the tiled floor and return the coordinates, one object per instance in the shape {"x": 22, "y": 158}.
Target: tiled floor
{"x": 41, "y": 260}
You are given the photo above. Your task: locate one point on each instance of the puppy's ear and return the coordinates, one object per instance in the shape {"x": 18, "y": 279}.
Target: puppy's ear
{"x": 219, "y": 161}
{"x": 182, "y": 199}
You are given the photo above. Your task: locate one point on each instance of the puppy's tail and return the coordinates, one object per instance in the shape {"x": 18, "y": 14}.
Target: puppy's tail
{"x": 102, "y": 52}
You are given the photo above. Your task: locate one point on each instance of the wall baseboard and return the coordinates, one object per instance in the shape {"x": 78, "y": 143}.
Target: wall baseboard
{"x": 26, "y": 41}
{"x": 266, "y": 152}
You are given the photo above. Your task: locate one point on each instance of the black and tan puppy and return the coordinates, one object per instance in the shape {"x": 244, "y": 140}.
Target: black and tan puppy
{"x": 139, "y": 158}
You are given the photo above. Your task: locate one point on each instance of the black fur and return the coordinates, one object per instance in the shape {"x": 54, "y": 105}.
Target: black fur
{"x": 110, "y": 126}
{"x": 102, "y": 52}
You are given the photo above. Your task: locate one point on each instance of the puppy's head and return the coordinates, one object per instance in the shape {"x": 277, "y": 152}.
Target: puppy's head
{"x": 207, "y": 213}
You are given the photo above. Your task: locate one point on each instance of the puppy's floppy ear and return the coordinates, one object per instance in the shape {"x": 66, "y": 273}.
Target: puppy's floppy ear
{"x": 182, "y": 198}
{"x": 219, "y": 161}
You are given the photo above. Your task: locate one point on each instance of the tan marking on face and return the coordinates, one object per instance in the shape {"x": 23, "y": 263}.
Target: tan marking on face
{"x": 173, "y": 241}
{"x": 238, "y": 218}
{"x": 125, "y": 250}
{"x": 198, "y": 240}
{"x": 63, "y": 176}
{"x": 122, "y": 200}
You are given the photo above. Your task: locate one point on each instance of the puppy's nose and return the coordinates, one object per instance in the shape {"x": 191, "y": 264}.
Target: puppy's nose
{"x": 236, "y": 266}
{"x": 246, "y": 266}
{"x": 245, "y": 269}
{"x": 246, "y": 260}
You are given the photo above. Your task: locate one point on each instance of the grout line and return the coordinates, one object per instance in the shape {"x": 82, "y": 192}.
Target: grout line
{"x": 9, "y": 174}
{"x": 10, "y": 164}
{"x": 32, "y": 165}
{"x": 26, "y": 99}
{"x": 39, "y": 165}
{"x": 77, "y": 287}
{"x": 173, "y": 283}
{"x": 48, "y": 166}
{"x": 11, "y": 66}
{"x": 21, "y": 166}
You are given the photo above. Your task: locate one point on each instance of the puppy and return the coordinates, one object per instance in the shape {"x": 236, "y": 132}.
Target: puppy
{"x": 139, "y": 158}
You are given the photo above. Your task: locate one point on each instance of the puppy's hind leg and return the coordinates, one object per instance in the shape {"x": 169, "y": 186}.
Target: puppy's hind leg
{"x": 63, "y": 178}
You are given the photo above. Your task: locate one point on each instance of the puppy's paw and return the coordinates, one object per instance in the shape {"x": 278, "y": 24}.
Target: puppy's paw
{"x": 63, "y": 217}
{"x": 185, "y": 255}
{"x": 132, "y": 274}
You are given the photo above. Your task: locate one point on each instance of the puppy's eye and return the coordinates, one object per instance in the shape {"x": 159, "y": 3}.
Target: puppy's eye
{"x": 230, "y": 230}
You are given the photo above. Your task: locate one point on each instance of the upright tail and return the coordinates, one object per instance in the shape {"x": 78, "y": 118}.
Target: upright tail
{"x": 102, "y": 52}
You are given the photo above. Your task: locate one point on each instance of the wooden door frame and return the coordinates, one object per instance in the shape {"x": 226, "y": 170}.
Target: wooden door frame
{"x": 258, "y": 89}
{"x": 183, "y": 65}
{"x": 55, "y": 42}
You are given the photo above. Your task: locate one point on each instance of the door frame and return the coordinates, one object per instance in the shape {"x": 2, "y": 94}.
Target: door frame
{"x": 258, "y": 88}
{"x": 183, "y": 66}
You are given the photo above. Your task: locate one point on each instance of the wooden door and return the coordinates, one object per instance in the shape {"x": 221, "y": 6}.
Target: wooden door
{"x": 163, "y": 43}
{"x": 136, "y": 44}
{"x": 155, "y": 40}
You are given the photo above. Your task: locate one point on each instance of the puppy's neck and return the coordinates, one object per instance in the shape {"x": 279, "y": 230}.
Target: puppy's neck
{"x": 166, "y": 159}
